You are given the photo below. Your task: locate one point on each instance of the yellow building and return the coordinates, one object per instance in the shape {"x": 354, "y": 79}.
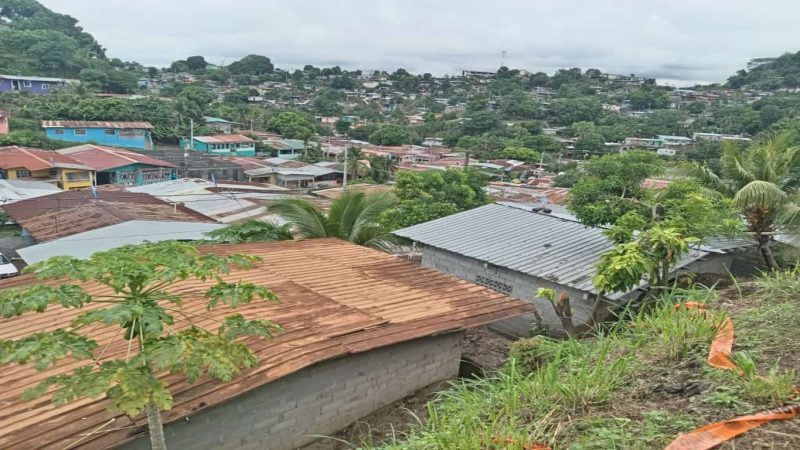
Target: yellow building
{"x": 44, "y": 165}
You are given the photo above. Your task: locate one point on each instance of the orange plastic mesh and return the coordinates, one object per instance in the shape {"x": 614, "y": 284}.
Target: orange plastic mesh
{"x": 712, "y": 435}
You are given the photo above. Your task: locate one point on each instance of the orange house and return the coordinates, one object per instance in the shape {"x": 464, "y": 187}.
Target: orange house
{"x": 44, "y": 165}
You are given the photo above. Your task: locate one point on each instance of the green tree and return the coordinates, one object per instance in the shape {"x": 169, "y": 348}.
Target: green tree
{"x": 568, "y": 111}
{"x": 252, "y": 231}
{"x": 651, "y": 241}
{"x": 611, "y": 186}
{"x": 292, "y": 125}
{"x": 390, "y": 135}
{"x": 136, "y": 300}
{"x": 525, "y": 154}
{"x": 425, "y": 196}
{"x": 342, "y": 126}
{"x": 352, "y": 217}
{"x": 193, "y": 102}
{"x": 195, "y": 63}
{"x": 763, "y": 182}
{"x": 480, "y": 122}
{"x": 381, "y": 168}
{"x": 252, "y": 65}
{"x": 354, "y": 166}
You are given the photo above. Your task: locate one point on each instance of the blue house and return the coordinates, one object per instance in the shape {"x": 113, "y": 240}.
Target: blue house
{"x": 38, "y": 85}
{"x": 113, "y": 134}
{"x": 223, "y": 145}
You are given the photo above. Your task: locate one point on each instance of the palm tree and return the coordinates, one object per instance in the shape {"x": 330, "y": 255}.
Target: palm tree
{"x": 354, "y": 165}
{"x": 353, "y": 217}
{"x": 763, "y": 181}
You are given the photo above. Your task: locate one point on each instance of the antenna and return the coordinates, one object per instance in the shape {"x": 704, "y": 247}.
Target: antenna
{"x": 503, "y": 58}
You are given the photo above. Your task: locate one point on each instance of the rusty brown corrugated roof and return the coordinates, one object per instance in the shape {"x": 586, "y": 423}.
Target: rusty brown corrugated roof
{"x": 36, "y": 159}
{"x": 71, "y": 212}
{"x": 336, "y": 299}
{"x": 100, "y": 158}
{"x": 93, "y": 124}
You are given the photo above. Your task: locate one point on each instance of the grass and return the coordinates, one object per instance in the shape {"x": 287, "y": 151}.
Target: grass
{"x": 636, "y": 386}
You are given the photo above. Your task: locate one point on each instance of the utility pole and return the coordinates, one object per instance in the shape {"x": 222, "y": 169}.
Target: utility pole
{"x": 344, "y": 180}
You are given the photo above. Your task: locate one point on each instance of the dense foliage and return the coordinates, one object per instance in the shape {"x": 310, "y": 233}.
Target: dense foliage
{"x": 424, "y": 196}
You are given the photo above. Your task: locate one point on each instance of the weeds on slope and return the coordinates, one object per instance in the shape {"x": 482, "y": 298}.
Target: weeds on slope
{"x": 636, "y": 386}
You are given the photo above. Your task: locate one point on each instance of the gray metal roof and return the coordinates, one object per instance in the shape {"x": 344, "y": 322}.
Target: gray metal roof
{"x": 544, "y": 246}
{"x": 84, "y": 245}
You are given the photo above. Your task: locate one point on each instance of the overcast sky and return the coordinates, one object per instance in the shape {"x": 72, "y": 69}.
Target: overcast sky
{"x": 668, "y": 39}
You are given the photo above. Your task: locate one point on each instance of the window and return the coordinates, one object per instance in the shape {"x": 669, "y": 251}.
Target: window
{"x": 80, "y": 132}
{"x": 45, "y": 86}
{"x": 23, "y": 173}
{"x": 59, "y": 131}
{"x": 494, "y": 285}
{"x": 111, "y": 132}
{"x": 78, "y": 176}
{"x": 26, "y": 84}
{"x": 53, "y": 172}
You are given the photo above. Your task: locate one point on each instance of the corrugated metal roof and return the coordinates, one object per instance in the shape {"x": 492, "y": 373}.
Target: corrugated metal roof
{"x": 547, "y": 246}
{"x": 15, "y": 190}
{"x": 195, "y": 195}
{"x": 336, "y": 299}
{"x": 94, "y": 124}
{"x": 45, "y": 79}
{"x": 552, "y": 248}
{"x": 104, "y": 158}
{"x": 84, "y": 245}
{"x": 70, "y": 212}
{"x": 223, "y": 139}
{"x": 36, "y": 159}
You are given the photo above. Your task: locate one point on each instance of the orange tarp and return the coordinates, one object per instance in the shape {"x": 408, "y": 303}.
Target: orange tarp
{"x": 710, "y": 436}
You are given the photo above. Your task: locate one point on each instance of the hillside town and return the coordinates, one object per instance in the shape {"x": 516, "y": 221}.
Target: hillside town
{"x": 238, "y": 255}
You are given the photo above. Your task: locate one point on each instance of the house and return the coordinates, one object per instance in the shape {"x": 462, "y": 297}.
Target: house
{"x": 673, "y": 141}
{"x": 65, "y": 214}
{"x": 221, "y": 126}
{"x": 223, "y": 145}
{"x": 285, "y": 148}
{"x": 295, "y": 174}
{"x": 716, "y": 137}
{"x": 37, "y": 85}
{"x": 361, "y": 329}
{"x": 121, "y": 167}
{"x": 516, "y": 249}
{"x": 4, "y": 116}
{"x": 30, "y": 163}
{"x": 637, "y": 142}
{"x": 114, "y": 134}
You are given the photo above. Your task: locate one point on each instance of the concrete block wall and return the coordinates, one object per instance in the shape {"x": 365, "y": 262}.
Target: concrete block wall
{"x": 319, "y": 400}
{"x": 524, "y": 287}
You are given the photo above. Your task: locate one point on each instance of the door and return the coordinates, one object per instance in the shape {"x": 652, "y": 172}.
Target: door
{"x": 14, "y": 85}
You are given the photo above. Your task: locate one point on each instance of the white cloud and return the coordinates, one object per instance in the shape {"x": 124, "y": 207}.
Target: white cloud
{"x": 677, "y": 39}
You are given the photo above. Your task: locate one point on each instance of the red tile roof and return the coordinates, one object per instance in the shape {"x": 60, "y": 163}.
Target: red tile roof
{"x": 336, "y": 299}
{"x": 94, "y": 124}
{"x": 71, "y": 212}
{"x": 35, "y": 159}
{"x": 104, "y": 158}
{"x": 223, "y": 139}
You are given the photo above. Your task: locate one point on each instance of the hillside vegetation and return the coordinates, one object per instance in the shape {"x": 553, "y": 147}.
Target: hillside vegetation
{"x": 37, "y": 41}
{"x": 783, "y": 71}
{"x": 635, "y": 386}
